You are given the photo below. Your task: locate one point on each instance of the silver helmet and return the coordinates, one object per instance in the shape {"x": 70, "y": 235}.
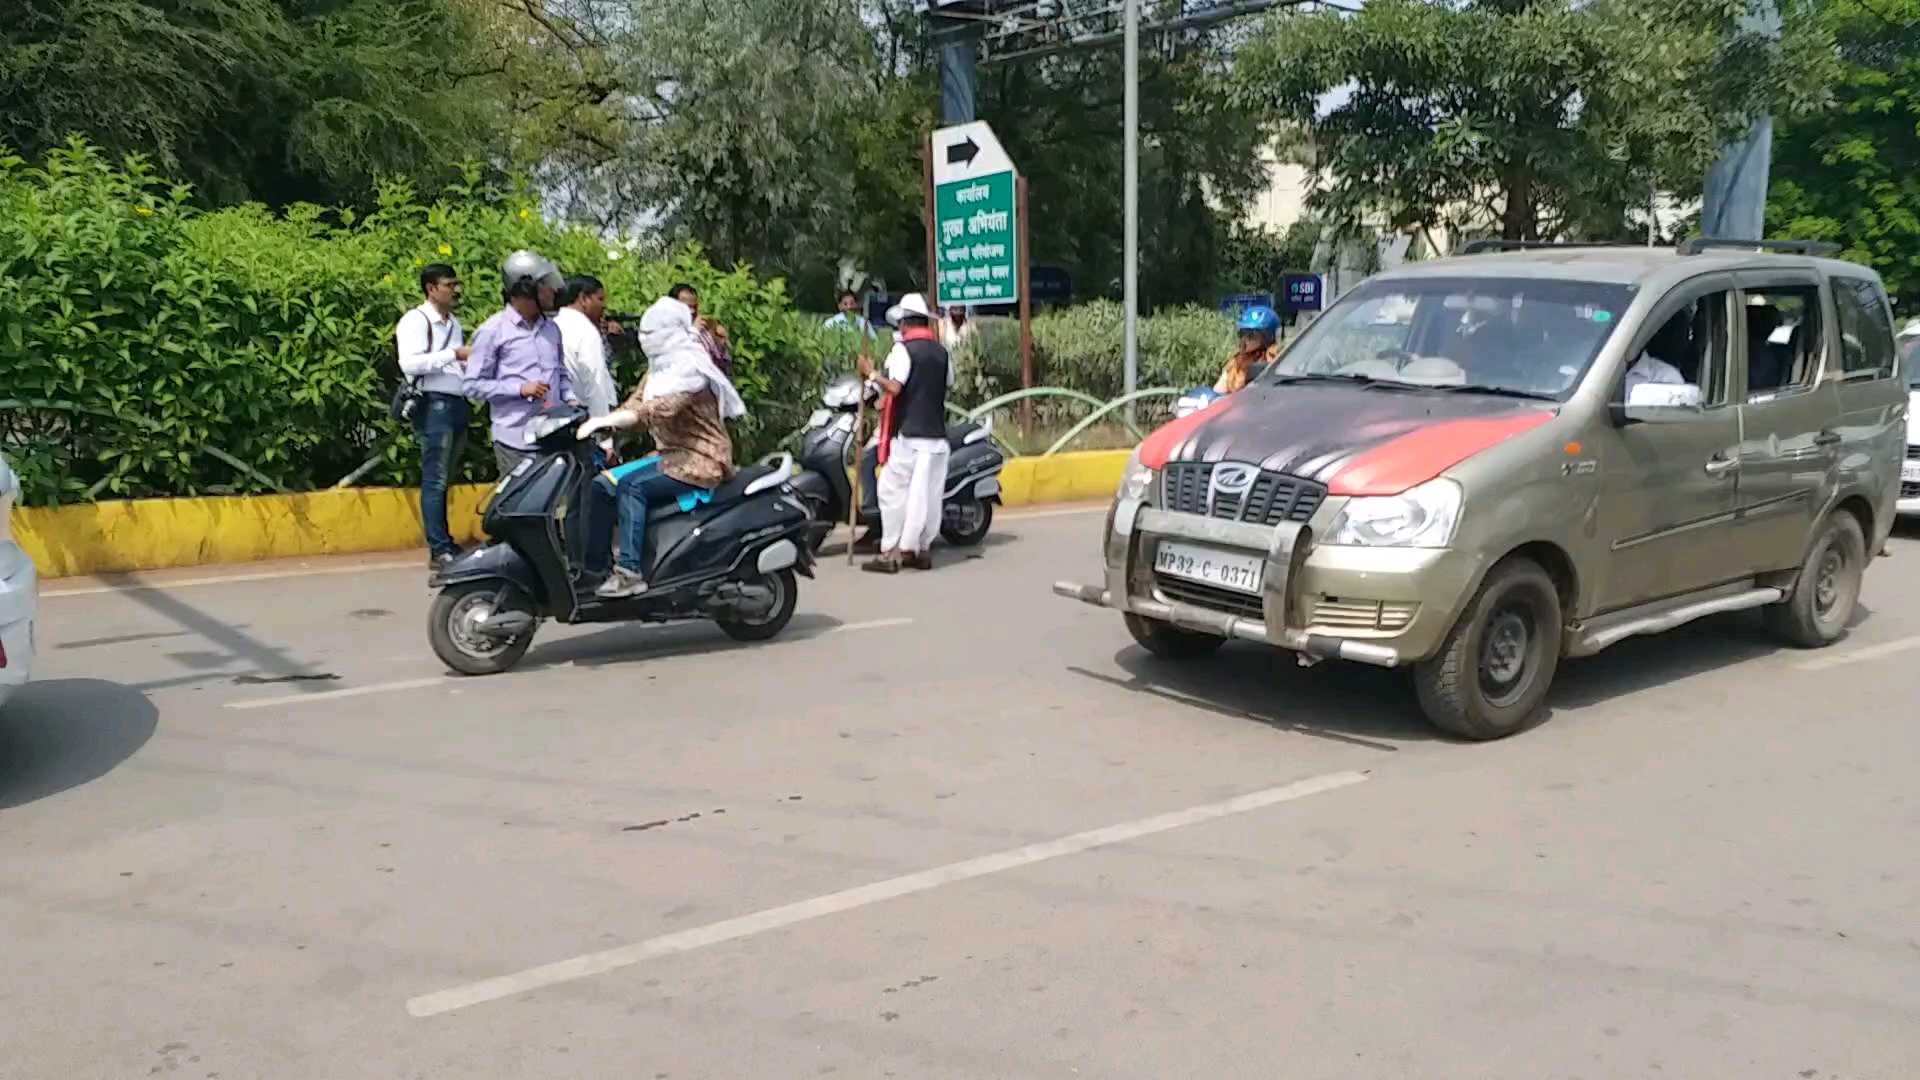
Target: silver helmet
{"x": 529, "y": 266}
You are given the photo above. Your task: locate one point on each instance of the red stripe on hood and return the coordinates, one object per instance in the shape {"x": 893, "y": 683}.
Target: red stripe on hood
{"x": 1424, "y": 453}
{"x": 1158, "y": 446}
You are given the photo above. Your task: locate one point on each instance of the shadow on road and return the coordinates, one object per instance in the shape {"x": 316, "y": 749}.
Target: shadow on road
{"x": 62, "y": 733}
{"x": 1361, "y": 705}
{"x": 631, "y": 643}
{"x": 1345, "y": 703}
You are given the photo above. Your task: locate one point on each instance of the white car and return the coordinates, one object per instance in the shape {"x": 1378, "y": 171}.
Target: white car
{"x": 19, "y": 589}
{"x": 1909, "y": 345}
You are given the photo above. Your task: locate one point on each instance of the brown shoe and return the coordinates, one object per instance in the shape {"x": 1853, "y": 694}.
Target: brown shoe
{"x": 920, "y": 560}
{"x": 885, "y": 564}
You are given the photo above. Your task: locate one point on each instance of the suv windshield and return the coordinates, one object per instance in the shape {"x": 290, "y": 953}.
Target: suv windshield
{"x": 1493, "y": 335}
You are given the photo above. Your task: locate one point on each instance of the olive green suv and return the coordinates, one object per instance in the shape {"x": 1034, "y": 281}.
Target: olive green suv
{"x": 1480, "y": 465}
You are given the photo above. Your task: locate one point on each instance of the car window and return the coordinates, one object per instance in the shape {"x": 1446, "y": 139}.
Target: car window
{"x": 1522, "y": 335}
{"x": 1692, "y": 347}
{"x": 1866, "y": 328}
{"x": 1784, "y": 339}
{"x": 1910, "y": 359}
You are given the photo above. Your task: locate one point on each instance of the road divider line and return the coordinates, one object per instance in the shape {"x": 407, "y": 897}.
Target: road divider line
{"x": 1860, "y": 656}
{"x": 336, "y": 695}
{"x": 760, "y": 922}
{"x": 232, "y": 579}
{"x": 872, "y": 624}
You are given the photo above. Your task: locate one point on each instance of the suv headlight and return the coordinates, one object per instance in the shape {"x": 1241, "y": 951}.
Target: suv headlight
{"x": 1420, "y": 517}
{"x": 1135, "y": 479}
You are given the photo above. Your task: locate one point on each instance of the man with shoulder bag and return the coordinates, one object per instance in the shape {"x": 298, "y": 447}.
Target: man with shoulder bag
{"x": 433, "y": 357}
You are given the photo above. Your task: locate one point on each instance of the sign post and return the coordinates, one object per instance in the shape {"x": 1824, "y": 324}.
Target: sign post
{"x": 977, "y": 227}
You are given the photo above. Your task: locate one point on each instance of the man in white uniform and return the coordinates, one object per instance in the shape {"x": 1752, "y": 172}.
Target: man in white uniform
{"x": 914, "y": 478}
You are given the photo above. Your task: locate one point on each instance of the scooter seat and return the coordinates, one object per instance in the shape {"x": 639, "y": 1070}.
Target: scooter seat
{"x": 735, "y": 488}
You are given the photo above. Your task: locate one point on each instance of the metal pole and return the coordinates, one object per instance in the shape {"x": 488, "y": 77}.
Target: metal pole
{"x": 1130, "y": 259}
{"x": 932, "y": 289}
{"x": 1025, "y": 270}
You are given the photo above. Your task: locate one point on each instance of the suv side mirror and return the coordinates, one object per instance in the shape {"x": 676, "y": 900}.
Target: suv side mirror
{"x": 1662, "y": 403}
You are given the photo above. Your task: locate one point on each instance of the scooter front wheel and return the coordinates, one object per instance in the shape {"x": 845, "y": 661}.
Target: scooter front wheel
{"x": 454, "y": 628}
{"x": 786, "y": 594}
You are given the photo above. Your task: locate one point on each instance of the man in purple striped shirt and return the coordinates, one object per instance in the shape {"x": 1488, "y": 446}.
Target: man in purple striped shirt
{"x": 516, "y": 365}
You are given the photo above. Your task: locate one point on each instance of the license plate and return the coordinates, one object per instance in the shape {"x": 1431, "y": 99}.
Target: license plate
{"x": 1910, "y": 472}
{"x": 1209, "y": 566}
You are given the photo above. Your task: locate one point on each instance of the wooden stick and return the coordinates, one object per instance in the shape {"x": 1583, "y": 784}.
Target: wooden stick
{"x": 859, "y": 452}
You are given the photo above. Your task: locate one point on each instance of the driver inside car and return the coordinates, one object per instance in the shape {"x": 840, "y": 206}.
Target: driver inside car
{"x": 684, "y": 401}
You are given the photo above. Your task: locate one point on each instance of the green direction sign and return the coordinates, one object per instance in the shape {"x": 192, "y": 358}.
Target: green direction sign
{"x": 976, "y": 230}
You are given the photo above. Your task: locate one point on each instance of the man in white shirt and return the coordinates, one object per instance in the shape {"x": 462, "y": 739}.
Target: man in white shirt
{"x": 914, "y": 479}
{"x": 433, "y": 353}
{"x": 1650, "y": 368}
{"x": 583, "y": 347}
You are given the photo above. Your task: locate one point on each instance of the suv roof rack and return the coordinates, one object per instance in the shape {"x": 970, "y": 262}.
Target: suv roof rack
{"x": 1814, "y": 248}
{"x": 1477, "y": 247}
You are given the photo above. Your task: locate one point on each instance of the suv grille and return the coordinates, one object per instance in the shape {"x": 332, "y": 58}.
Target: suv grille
{"x": 1273, "y": 498}
{"x": 1206, "y": 596}
{"x": 1910, "y": 491}
{"x": 1913, "y": 453}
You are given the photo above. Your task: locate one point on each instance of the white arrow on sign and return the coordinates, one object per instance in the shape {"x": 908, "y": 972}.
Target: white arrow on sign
{"x": 966, "y": 152}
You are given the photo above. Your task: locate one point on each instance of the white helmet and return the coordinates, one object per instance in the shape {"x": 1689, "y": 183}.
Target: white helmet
{"x": 529, "y": 266}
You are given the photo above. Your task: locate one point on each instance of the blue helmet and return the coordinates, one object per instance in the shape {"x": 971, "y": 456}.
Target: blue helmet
{"x": 1261, "y": 319}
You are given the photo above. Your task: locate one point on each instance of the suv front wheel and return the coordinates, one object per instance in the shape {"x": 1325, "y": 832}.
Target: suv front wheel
{"x": 1169, "y": 642}
{"x": 1491, "y": 677}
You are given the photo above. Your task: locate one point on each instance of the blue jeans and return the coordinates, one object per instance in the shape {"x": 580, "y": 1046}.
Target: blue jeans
{"x": 633, "y": 488}
{"x": 441, "y": 424}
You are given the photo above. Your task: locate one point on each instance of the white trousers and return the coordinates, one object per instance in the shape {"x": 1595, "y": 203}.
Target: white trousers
{"x": 911, "y": 485}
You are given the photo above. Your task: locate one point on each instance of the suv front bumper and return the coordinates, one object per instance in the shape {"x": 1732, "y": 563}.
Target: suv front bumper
{"x": 1382, "y": 606}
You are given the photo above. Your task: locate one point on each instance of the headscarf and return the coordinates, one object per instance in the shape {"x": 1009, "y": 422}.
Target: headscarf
{"x": 677, "y": 363}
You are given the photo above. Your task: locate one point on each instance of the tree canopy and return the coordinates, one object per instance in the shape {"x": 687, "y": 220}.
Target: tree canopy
{"x": 1853, "y": 174}
{"x": 1524, "y": 118}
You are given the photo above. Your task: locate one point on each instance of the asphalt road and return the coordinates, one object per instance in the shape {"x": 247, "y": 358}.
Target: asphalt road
{"x": 948, "y": 825}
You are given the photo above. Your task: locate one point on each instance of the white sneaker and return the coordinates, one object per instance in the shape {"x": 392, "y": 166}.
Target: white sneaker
{"x": 621, "y": 583}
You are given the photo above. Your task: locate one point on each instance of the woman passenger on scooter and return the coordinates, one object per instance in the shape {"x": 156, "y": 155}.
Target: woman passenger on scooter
{"x": 684, "y": 401}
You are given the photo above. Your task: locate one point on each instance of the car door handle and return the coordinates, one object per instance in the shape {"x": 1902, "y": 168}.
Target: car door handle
{"x": 1721, "y": 466}
{"x": 1827, "y": 438}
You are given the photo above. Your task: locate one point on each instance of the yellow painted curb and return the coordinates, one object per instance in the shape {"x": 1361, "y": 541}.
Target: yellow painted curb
{"x": 157, "y": 534}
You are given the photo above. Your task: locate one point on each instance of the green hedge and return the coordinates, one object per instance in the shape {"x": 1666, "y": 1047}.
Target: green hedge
{"x": 1083, "y": 348}
{"x": 158, "y": 330}
{"x": 147, "y": 337}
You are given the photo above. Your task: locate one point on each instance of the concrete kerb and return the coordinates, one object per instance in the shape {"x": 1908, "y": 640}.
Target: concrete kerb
{"x": 160, "y": 534}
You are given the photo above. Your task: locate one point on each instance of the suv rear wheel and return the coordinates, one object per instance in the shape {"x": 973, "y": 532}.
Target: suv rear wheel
{"x": 1828, "y": 588}
{"x": 1168, "y": 641}
{"x": 1492, "y": 676}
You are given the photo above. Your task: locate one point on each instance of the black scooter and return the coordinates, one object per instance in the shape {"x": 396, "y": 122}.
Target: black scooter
{"x": 732, "y": 559}
{"x": 973, "y": 469}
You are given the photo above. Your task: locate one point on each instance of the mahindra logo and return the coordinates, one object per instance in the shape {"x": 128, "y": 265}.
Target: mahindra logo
{"x": 1230, "y": 478}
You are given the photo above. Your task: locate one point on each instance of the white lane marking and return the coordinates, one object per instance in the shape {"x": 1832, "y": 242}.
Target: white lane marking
{"x": 235, "y": 579}
{"x": 439, "y": 680}
{"x": 336, "y": 695}
{"x": 875, "y": 624}
{"x": 599, "y": 963}
{"x": 1857, "y": 656}
{"x": 1070, "y": 512}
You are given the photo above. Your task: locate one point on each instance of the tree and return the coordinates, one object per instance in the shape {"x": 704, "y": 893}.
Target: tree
{"x": 270, "y": 100}
{"x": 1526, "y": 118}
{"x": 1853, "y": 174}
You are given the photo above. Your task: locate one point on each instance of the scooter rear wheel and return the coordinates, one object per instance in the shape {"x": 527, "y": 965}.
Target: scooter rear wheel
{"x": 453, "y": 627}
{"x": 786, "y": 594}
{"x": 967, "y": 525}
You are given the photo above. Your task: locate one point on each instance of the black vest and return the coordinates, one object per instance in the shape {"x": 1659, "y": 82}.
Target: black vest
{"x": 920, "y": 410}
